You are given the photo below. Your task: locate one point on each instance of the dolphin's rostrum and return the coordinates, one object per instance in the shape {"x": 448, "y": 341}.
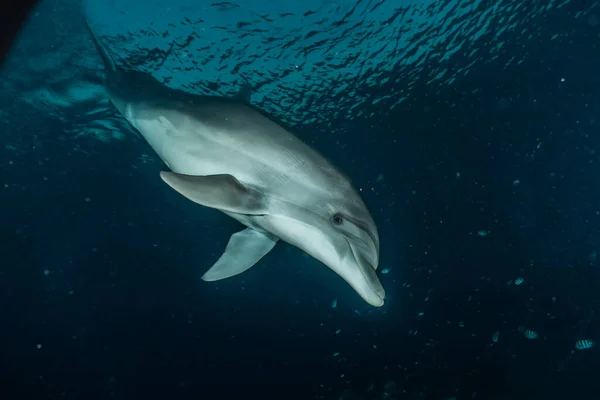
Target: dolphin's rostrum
{"x": 226, "y": 154}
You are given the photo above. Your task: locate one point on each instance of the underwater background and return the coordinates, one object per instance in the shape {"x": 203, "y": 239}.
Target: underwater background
{"x": 471, "y": 129}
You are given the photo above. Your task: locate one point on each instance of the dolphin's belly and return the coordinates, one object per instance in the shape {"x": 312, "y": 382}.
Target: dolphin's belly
{"x": 215, "y": 138}
{"x": 229, "y": 139}
{"x": 185, "y": 151}
{"x": 194, "y": 148}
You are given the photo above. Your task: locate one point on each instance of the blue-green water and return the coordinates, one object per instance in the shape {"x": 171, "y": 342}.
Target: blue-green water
{"x": 471, "y": 129}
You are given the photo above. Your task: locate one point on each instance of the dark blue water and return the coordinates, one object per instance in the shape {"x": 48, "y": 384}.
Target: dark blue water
{"x": 472, "y": 185}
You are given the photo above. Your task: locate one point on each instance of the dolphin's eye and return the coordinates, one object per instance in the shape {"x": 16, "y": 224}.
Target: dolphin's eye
{"x": 337, "y": 219}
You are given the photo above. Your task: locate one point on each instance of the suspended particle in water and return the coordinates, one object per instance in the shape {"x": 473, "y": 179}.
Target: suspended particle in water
{"x": 385, "y": 271}
{"x": 530, "y": 334}
{"x": 584, "y": 344}
{"x": 334, "y": 303}
{"x": 483, "y": 233}
{"x": 495, "y": 336}
{"x": 519, "y": 281}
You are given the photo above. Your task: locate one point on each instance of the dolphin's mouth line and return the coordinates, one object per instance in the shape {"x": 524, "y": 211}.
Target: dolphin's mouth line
{"x": 363, "y": 243}
{"x": 360, "y": 267}
{"x": 365, "y": 228}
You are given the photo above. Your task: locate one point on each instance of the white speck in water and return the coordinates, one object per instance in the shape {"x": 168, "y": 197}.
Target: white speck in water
{"x": 495, "y": 337}
{"x": 530, "y": 334}
{"x": 519, "y": 281}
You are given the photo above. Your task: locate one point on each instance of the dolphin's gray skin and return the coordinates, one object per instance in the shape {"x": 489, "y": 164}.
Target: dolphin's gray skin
{"x": 228, "y": 155}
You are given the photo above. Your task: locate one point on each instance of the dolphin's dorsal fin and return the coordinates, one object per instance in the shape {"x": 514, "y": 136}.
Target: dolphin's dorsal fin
{"x": 244, "y": 249}
{"x": 223, "y": 192}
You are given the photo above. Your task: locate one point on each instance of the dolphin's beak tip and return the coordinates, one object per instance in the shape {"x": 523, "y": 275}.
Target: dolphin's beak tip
{"x": 378, "y": 303}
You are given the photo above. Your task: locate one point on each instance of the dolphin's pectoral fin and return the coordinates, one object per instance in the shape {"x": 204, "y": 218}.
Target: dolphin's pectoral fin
{"x": 223, "y": 192}
{"x": 244, "y": 250}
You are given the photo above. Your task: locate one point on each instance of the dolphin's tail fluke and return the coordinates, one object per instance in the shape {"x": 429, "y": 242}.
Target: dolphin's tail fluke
{"x": 109, "y": 63}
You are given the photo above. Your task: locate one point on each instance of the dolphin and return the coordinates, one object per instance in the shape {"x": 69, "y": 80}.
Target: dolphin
{"x": 226, "y": 154}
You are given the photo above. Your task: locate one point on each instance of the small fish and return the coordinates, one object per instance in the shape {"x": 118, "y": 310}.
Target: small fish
{"x": 334, "y": 303}
{"x": 519, "y": 281}
{"x": 584, "y": 344}
{"x": 530, "y": 334}
{"x": 495, "y": 336}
